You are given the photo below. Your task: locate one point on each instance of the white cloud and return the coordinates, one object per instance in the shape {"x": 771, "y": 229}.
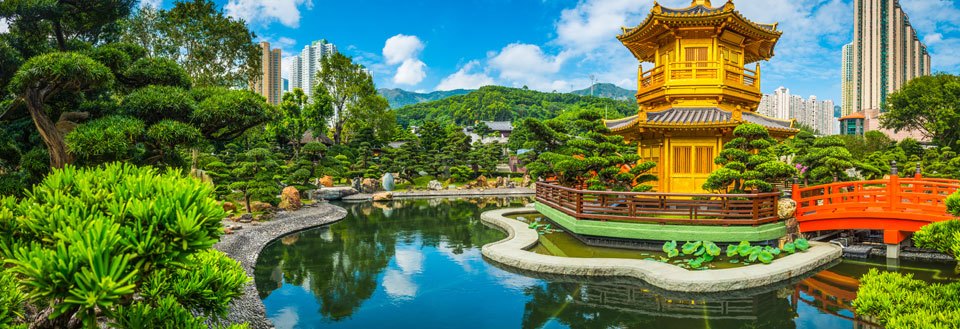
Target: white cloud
{"x": 405, "y": 50}
{"x": 155, "y": 4}
{"x": 4, "y": 27}
{"x": 464, "y": 79}
{"x": 264, "y": 12}
{"x": 401, "y": 47}
{"x": 527, "y": 65}
{"x": 410, "y": 72}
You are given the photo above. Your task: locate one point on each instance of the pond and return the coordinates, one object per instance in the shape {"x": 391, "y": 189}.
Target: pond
{"x": 417, "y": 264}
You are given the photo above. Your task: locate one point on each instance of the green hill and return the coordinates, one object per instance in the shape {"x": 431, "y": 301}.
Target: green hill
{"x": 400, "y": 98}
{"x": 495, "y": 103}
{"x": 607, "y": 90}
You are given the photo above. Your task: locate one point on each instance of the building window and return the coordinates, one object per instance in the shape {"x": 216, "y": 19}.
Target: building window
{"x": 682, "y": 159}
{"x": 704, "y": 160}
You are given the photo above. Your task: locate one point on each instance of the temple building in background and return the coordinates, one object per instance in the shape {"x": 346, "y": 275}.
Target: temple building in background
{"x": 304, "y": 68}
{"x": 704, "y": 83}
{"x": 268, "y": 85}
{"x": 887, "y": 53}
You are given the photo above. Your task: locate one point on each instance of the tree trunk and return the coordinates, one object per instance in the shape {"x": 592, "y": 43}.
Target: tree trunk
{"x": 246, "y": 200}
{"x": 58, "y": 31}
{"x": 59, "y": 157}
{"x": 64, "y": 321}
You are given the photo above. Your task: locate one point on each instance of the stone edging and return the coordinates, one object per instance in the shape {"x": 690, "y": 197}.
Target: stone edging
{"x": 244, "y": 245}
{"x": 512, "y": 251}
{"x": 519, "y": 191}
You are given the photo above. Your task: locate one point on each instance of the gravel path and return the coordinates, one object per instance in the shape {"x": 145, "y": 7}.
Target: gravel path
{"x": 245, "y": 245}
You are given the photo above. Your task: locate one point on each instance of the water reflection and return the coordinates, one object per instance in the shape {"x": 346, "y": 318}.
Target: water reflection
{"x": 417, "y": 263}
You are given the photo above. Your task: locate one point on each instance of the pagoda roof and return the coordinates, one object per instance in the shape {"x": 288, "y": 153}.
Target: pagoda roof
{"x": 854, "y": 115}
{"x": 693, "y": 117}
{"x": 642, "y": 39}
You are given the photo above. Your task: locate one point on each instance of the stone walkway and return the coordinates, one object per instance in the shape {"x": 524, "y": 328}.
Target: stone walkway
{"x": 245, "y": 245}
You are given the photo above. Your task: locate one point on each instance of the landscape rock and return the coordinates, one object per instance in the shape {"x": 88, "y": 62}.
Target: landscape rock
{"x": 229, "y": 207}
{"x": 369, "y": 185}
{"x": 434, "y": 185}
{"x": 526, "y": 181}
{"x": 246, "y": 218}
{"x": 290, "y": 199}
{"x": 326, "y": 181}
{"x": 481, "y": 181}
{"x": 786, "y": 208}
{"x": 492, "y": 183}
{"x": 260, "y": 206}
{"x": 382, "y": 196}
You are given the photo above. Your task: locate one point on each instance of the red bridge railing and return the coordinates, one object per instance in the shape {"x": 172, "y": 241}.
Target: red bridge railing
{"x": 664, "y": 208}
{"x": 917, "y": 199}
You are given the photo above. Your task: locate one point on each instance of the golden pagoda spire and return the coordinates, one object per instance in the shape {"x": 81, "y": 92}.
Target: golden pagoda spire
{"x": 705, "y": 3}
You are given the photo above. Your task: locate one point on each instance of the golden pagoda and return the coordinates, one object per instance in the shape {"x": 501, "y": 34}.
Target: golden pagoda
{"x": 698, "y": 90}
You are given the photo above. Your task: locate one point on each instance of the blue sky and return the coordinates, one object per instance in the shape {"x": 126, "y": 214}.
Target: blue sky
{"x": 425, "y": 45}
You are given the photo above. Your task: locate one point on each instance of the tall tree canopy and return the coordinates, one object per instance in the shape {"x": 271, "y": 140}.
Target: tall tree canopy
{"x": 354, "y": 103}
{"x": 214, "y": 49}
{"x": 66, "y": 20}
{"x": 930, "y": 104}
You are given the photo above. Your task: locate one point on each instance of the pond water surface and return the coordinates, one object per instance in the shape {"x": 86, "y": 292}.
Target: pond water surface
{"x": 417, "y": 264}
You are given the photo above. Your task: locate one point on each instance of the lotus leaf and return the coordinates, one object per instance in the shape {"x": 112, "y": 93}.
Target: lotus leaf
{"x": 789, "y": 247}
{"x": 691, "y": 247}
{"x": 673, "y": 253}
{"x": 765, "y": 257}
{"x": 801, "y": 244}
{"x": 667, "y": 246}
{"x": 696, "y": 263}
{"x": 712, "y": 248}
{"x": 744, "y": 249}
{"x": 732, "y": 250}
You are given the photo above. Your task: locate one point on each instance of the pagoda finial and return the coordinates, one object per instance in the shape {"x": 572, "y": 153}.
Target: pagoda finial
{"x": 705, "y": 3}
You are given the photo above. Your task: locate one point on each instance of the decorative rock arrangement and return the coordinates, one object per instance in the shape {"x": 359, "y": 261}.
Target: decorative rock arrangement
{"x": 326, "y": 181}
{"x": 434, "y": 185}
{"x": 369, "y": 185}
{"x": 229, "y": 207}
{"x": 290, "y": 199}
{"x": 786, "y": 208}
{"x": 260, "y": 206}
{"x": 387, "y": 182}
{"x": 382, "y": 196}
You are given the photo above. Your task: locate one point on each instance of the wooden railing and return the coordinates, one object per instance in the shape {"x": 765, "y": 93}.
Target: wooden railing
{"x": 664, "y": 208}
{"x": 917, "y": 198}
{"x": 698, "y": 71}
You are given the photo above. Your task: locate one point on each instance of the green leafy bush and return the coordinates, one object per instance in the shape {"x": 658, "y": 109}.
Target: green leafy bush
{"x": 89, "y": 243}
{"x": 11, "y": 300}
{"x": 899, "y": 301}
{"x": 113, "y": 138}
{"x": 150, "y": 71}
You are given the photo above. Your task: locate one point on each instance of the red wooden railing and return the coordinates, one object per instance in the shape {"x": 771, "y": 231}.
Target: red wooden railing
{"x": 664, "y": 208}
{"x": 909, "y": 199}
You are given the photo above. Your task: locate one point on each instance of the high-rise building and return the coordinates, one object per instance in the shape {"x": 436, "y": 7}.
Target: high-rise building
{"x": 886, "y": 52}
{"x": 814, "y": 113}
{"x": 268, "y": 84}
{"x": 848, "y": 92}
{"x": 286, "y": 85}
{"x": 304, "y": 67}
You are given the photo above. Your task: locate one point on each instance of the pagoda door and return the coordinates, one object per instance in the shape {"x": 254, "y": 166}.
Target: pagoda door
{"x": 691, "y": 164}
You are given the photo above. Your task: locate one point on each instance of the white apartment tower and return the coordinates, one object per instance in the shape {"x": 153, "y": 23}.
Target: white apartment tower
{"x": 304, "y": 68}
{"x": 848, "y": 92}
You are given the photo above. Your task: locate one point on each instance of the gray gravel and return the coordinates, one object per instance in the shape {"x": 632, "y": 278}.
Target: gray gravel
{"x": 245, "y": 245}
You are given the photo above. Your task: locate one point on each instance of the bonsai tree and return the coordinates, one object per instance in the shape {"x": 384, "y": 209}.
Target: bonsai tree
{"x": 254, "y": 173}
{"x": 827, "y": 159}
{"x": 748, "y": 162}
{"x": 137, "y": 257}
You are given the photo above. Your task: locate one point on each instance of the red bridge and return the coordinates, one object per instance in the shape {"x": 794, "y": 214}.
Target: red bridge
{"x": 896, "y": 205}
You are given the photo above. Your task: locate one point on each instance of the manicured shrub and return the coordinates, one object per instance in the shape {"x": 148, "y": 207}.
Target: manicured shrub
{"x": 108, "y": 139}
{"x": 155, "y": 72}
{"x": 899, "y": 301}
{"x": 155, "y": 103}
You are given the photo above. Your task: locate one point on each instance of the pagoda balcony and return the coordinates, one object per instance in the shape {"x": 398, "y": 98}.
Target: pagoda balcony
{"x": 697, "y": 74}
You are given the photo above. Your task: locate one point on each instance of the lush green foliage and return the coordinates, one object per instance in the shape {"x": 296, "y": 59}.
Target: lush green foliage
{"x": 748, "y": 163}
{"x": 930, "y": 104}
{"x": 700, "y": 253}
{"x": 494, "y": 103}
{"x": 899, "y": 301}
{"x": 590, "y": 158}
{"x": 348, "y": 101}
{"x": 84, "y": 242}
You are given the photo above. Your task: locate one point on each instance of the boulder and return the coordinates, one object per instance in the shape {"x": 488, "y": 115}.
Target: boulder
{"x": 290, "y": 199}
{"x": 786, "y": 208}
{"x": 382, "y": 196}
{"x": 326, "y": 181}
{"x": 260, "y": 206}
{"x": 369, "y": 185}
{"x": 493, "y": 183}
{"x": 481, "y": 182}
{"x": 246, "y": 218}
{"x": 434, "y": 185}
{"x": 526, "y": 181}
{"x": 229, "y": 207}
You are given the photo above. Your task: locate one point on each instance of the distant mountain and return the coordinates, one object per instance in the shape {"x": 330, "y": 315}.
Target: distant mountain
{"x": 496, "y": 103}
{"x": 400, "y": 98}
{"x": 607, "y": 90}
